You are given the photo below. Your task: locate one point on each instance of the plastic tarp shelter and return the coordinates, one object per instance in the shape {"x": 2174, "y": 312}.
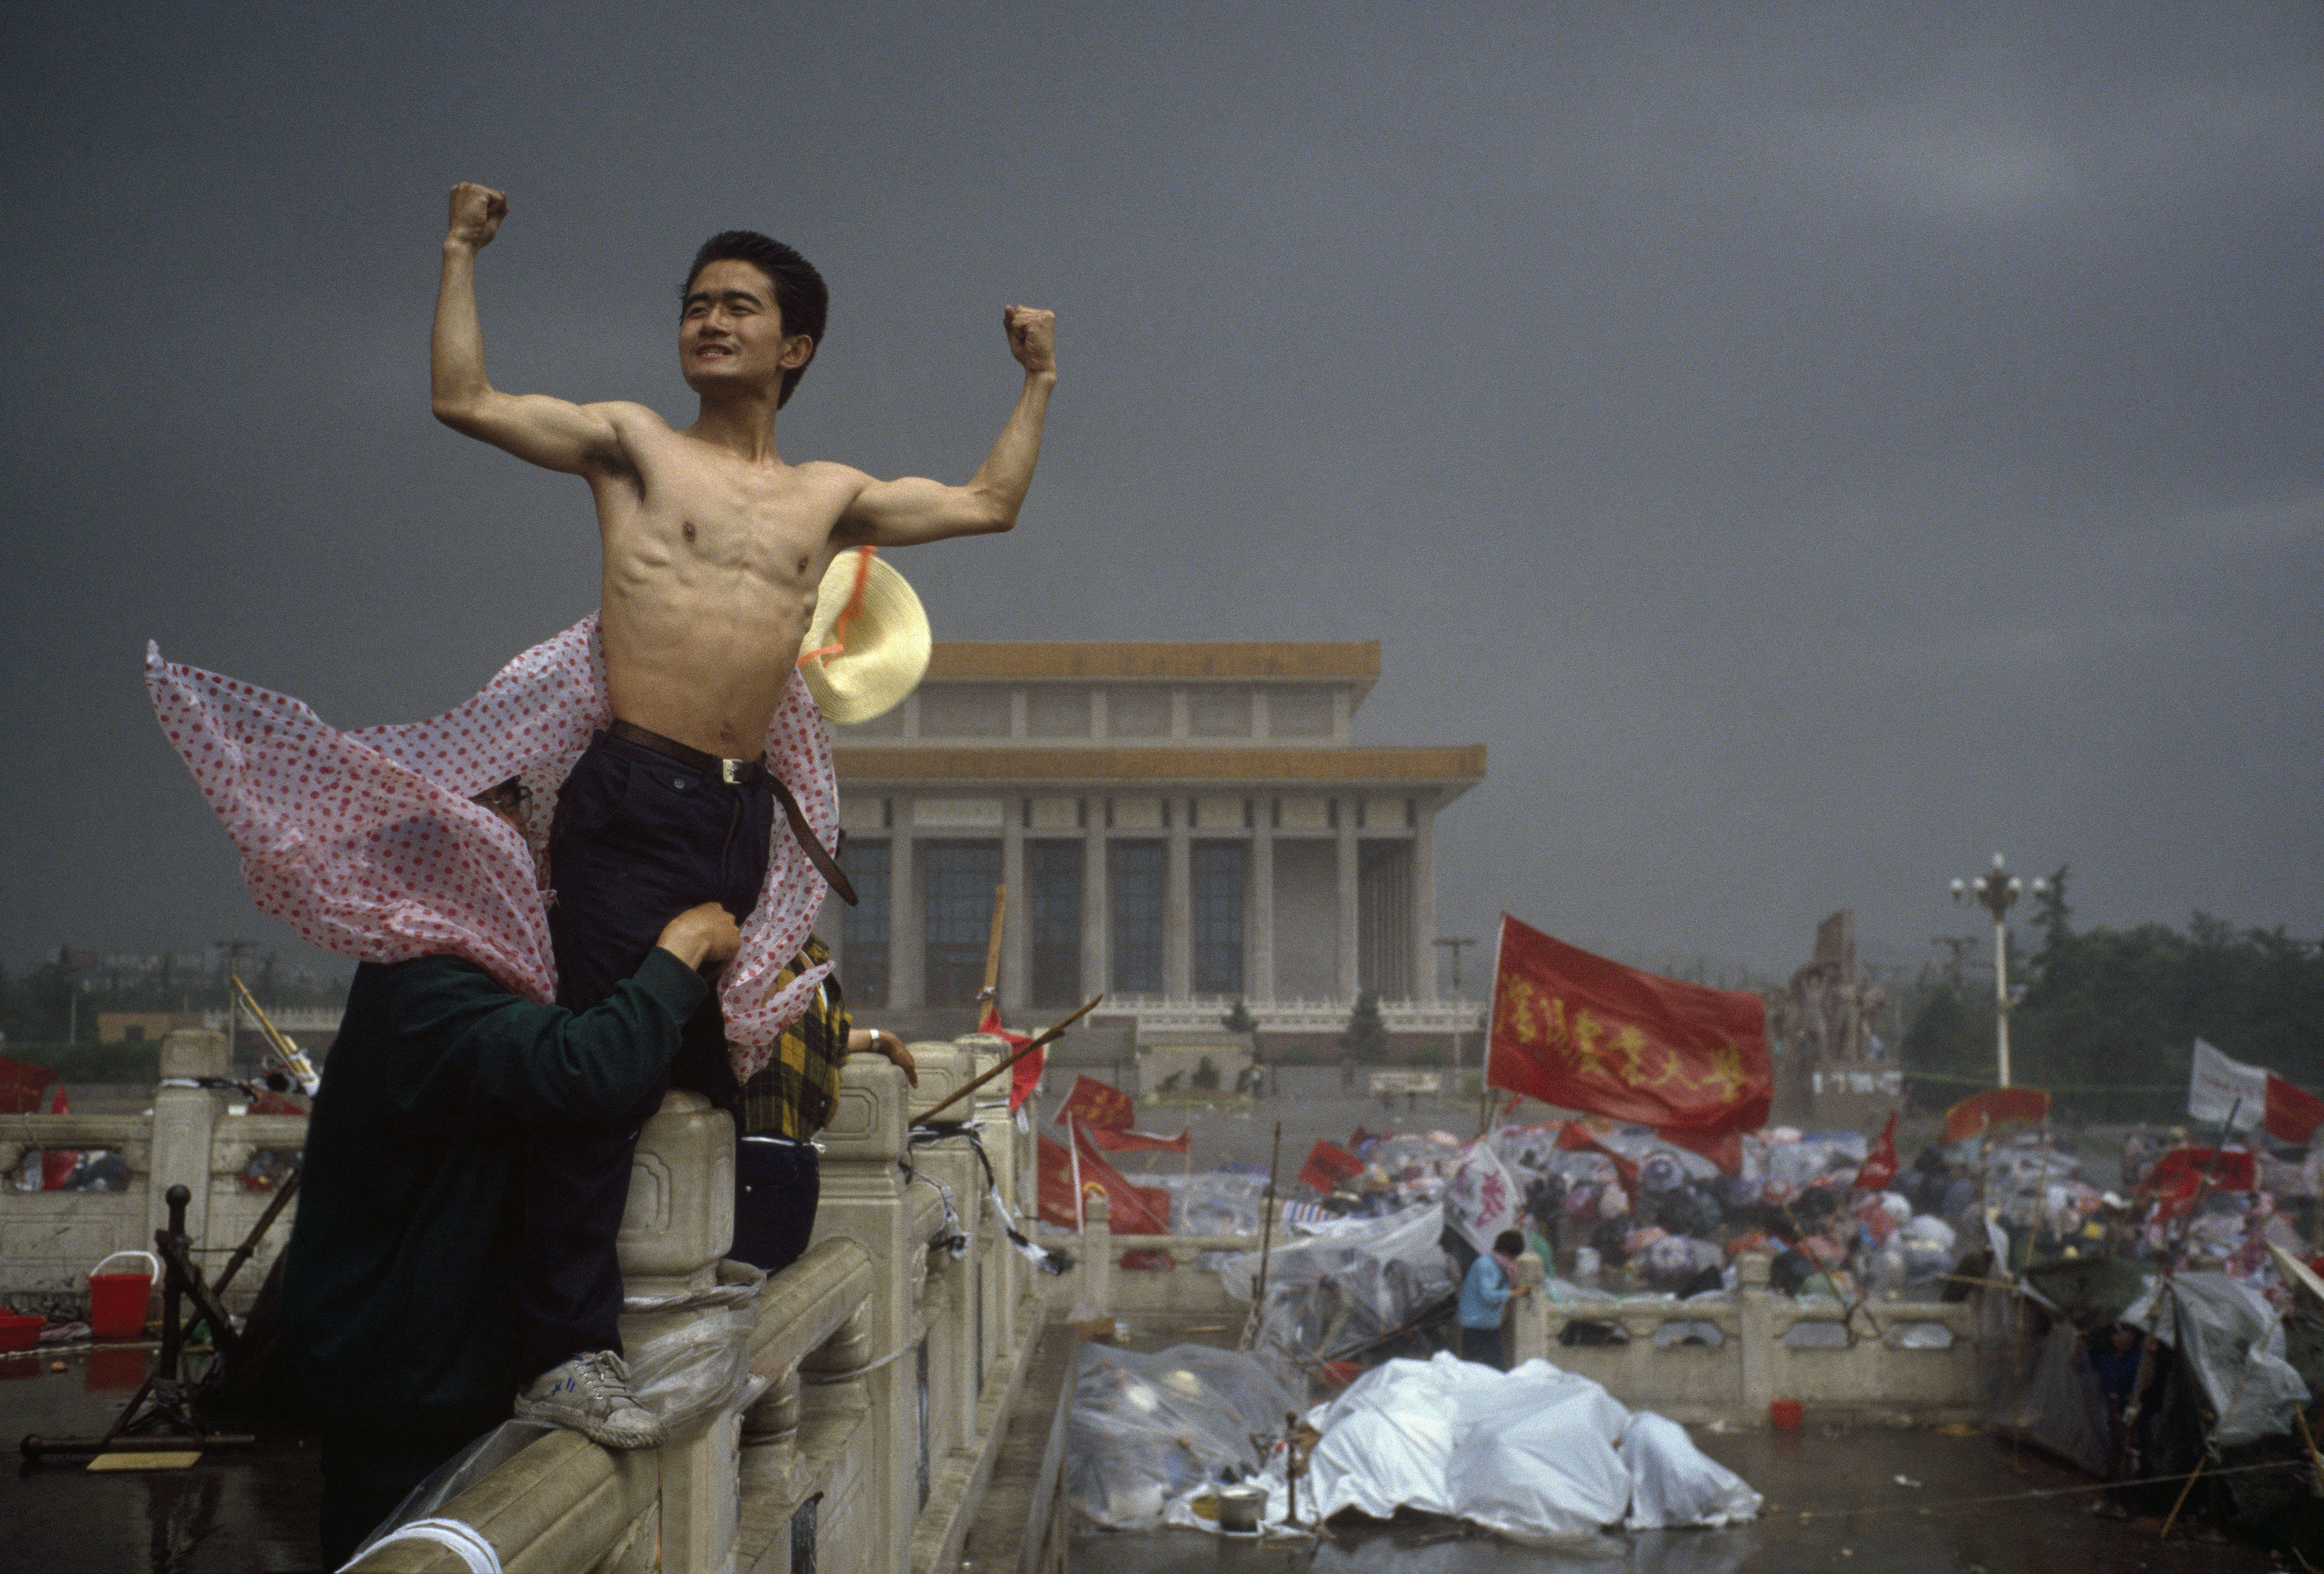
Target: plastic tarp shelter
{"x": 1346, "y": 1283}
{"x": 1149, "y": 1428}
{"x": 2232, "y": 1341}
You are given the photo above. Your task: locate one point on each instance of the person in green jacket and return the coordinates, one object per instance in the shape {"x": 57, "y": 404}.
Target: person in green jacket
{"x": 400, "y": 1327}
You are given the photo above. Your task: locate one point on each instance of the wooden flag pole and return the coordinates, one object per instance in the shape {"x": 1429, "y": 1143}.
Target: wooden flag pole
{"x": 1266, "y": 1244}
{"x": 1048, "y": 1035}
{"x": 993, "y": 944}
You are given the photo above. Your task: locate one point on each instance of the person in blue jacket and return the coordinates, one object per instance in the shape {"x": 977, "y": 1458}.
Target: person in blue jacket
{"x": 1485, "y": 1295}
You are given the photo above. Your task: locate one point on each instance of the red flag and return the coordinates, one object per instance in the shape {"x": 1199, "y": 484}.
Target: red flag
{"x": 2294, "y": 1113}
{"x": 2178, "y": 1176}
{"x": 1328, "y": 1164}
{"x": 1879, "y": 1166}
{"x": 57, "y": 1163}
{"x": 22, "y": 1085}
{"x": 1579, "y": 1032}
{"x": 1138, "y": 1141}
{"x": 1056, "y": 1191}
{"x": 1026, "y": 1074}
{"x": 1096, "y": 1103}
{"x": 1575, "y": 1137}
{"x": 1981, "y": 1112}
{"x": 1137, "y": 1210}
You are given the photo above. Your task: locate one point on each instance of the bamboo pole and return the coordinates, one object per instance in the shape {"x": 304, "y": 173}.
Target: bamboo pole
{"x": 1266, "y": 1244}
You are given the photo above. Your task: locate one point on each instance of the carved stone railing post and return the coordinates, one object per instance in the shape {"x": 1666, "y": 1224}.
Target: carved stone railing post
{"x": 1002, "y": 1272}
{"x": 1096, "y": 1297}
{"x": 1529, "y": 1313}
{"x": 1755, "y": 1323}
{"x": 677, "y": 1226}
{"x": 863, "y": 1202}
{"x": 951, "y": 1300}
{"x": 184, "y": 1120}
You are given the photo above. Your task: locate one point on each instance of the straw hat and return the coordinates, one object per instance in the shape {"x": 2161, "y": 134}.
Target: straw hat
{"x": 867, "y": 646}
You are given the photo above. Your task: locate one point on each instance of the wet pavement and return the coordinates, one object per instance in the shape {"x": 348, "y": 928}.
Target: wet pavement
{"x": 1834, "y": 1503}
{"x": 240, "y": 1511}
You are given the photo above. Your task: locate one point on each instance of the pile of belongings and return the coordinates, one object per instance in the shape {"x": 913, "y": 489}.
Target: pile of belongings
{"x": 1536, "y": 1454}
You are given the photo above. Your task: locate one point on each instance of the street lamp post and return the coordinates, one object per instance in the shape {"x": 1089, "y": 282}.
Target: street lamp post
{"x": 1454, "y": 943}
{"x": 1996, "y": 892}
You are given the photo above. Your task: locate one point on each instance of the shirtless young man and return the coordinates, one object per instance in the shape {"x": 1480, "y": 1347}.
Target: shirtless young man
{"x": 713, "y": 549}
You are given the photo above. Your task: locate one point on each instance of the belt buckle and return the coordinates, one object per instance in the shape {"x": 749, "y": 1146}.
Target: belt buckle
{"x": 730, "y": 772}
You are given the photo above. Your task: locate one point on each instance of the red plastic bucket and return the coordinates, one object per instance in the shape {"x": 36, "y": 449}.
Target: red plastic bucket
{"x": 116, "y": 1302}
{"x": 1783, "y": 1414}
{"x": 19, "y": 1331}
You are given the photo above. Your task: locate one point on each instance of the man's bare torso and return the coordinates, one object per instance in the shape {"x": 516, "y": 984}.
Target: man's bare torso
{"x": 711, "y": 566}
{"x": 713, "y": 547}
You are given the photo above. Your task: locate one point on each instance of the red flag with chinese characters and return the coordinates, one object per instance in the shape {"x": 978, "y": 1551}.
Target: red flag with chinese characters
{"x": 22, "y": 1085}
{"x": 1879, "y": 1165}
{"x": 1125, "y": 1141}
{"x": 2178, "y": 1176}
{"x": 1328, "y": 1164}
{"x": 1057, "y": 1192}
{"x": 1983, "y": 1111}
{"x": 1026, "y": 1074}
{"x": 1579, "y": 1032}
{"x": 1096, "y": 1103}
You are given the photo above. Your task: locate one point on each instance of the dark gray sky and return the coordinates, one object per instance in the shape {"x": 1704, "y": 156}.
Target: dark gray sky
{"x": 1813, "y": 454}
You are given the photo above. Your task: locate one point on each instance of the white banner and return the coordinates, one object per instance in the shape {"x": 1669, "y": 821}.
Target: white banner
{"x": 1482, "y": 1199}
{"x": 2218, "y": 1088}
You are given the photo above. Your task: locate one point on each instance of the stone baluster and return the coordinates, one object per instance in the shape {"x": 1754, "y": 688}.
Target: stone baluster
{"x": 951, "y": 1302}
{"x": 1529, "y": 1313}
{"x": 678, "y": 1224}
{"x": 1002, "y": 1271}
{"x": 1756, "y": 1325}
{"x": 863, "y": 1202}
{"x": 184, "y": 1121}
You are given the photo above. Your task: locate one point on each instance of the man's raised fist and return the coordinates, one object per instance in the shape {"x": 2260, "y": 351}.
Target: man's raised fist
{"x": 476, "y": 214}
{"x": 1032, "y": 336}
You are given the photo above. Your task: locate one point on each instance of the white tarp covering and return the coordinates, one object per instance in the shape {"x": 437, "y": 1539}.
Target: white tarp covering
{"x": 1534, "y": 1453}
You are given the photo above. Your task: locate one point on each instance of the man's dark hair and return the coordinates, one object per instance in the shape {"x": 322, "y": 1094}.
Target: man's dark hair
{"x": 1509, "y": 1244}
{"x": 800, "y": 291}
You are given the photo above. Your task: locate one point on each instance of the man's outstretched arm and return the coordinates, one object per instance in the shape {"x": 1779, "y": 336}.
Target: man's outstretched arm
{"x": 901, "y": 513}
{"x": 553, "y": 433}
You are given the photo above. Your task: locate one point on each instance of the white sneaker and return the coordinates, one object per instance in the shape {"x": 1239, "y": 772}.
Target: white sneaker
{"x": 590, "y": 1395}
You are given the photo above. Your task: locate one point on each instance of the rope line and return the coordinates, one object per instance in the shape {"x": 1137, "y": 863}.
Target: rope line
{"x": 1964, "y": 1503}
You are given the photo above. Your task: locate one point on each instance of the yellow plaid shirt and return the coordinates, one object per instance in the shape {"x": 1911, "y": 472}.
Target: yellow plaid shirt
{"x": 794, "y": 1094}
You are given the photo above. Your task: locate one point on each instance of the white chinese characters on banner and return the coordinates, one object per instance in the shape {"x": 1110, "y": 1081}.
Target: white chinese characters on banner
{"x": 1482, "y": 1199}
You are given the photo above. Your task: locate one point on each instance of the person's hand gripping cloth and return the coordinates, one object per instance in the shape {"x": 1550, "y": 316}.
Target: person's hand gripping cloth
{"x": 367, "y": 844}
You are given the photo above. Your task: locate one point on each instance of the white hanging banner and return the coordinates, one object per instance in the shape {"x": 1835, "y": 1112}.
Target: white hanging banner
{"x": 1482, "y": 1199}
{"x": 2219, "y": 1089}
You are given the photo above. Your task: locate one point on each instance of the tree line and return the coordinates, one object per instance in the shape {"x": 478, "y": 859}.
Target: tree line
{"x": 2108, "y": 1017}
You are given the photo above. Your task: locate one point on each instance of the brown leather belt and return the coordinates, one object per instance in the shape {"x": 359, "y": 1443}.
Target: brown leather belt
{"x": 745, "y": 773}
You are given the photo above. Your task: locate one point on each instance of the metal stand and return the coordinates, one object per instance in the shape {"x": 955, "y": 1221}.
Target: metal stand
{"x": 161, "y": 1417}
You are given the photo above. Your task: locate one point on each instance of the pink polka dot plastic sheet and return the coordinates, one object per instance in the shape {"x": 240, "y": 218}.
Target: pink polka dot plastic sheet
{"x": 366, "y": 842}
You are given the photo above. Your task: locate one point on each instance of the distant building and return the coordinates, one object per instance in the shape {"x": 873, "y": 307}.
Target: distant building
{"x": 1178, "y": 826}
